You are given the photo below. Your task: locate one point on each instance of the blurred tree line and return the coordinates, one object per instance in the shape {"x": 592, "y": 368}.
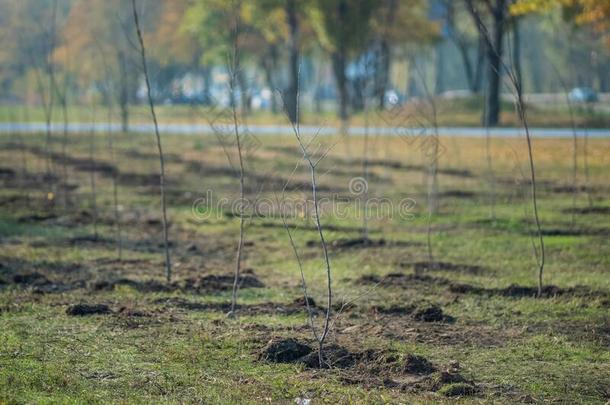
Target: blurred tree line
{"x": 346, "y": 51}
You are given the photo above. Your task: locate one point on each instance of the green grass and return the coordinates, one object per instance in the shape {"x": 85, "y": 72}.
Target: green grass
{"x": 452, "y": 112}
{"x": 551, "y": 350}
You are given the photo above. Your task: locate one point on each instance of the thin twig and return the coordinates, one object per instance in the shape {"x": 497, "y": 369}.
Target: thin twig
{"x": 168, "y": 265}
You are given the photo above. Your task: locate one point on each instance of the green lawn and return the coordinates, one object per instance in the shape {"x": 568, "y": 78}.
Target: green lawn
{"x": 177, "y": 345}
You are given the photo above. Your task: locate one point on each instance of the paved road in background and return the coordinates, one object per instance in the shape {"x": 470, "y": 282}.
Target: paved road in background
{"x": 195, "y": 129}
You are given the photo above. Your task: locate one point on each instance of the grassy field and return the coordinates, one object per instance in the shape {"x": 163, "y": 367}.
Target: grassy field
{"x": 493, "y": 343}
{"x": 451, "y": 112}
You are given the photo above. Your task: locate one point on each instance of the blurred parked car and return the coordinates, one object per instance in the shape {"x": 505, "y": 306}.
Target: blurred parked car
{"x": 583, "y": 95}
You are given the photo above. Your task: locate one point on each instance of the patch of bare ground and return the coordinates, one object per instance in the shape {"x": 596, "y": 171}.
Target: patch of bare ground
{"x": 594, "y": 331}
{"x": 138, "y": 154}
{"x": 372, "y": 367}
{"x": 258, "y": 182}
{"x": 418, "y": 267}
{"x": 457, "y": 194}
{"x": 362, "y": 243}
{"x": 266, "y": 308}
{"x": 402, "y": 280}
{"x": 88, "y": 309}
{"x": 332, "y": 228}
{"x": 518, "y": 291}
{"x": 205, "y": 284}
{"x": 579, "y": 231}
{"x": 22, "y": 276}
{"x": 597, "y": 210}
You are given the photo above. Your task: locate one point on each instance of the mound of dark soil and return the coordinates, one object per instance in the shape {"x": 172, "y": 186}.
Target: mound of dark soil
{"x": 207, "y": 283}
{"x": 575, "y": 231}
{"x": 518, "y": 291}
{"x": 225, "y": 282}
{"x": 372, "y": 367}
{"x": 432, "y": 314}
{"x": 131, "y": 312}
{"x": 356, "y": 242}
{"x": 333, "y": 356}
{"x": 36, "y": 218}
{"x": 401, "y": 280}
{"x": 392, "y": 309}
{"x": 457, "y": 194}
{"x": 34, "y": 278}
{"x": 300, "y": 302}
{"x": 88, "y": 309}
{"x": 588, "y": 210}
{"x": 284, "y": 351}
{"x": 138, "y": 179}
{"x": 83, "y": 239}
{"x": 142, "y": 286}
{"x": 445, "y": 266}
{"x": 414, "y": 364}
{"x": 460, "y": 389}
{"x": 6, "y": 173}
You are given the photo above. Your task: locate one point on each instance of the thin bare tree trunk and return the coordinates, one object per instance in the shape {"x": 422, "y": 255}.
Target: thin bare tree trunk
{"x": 168, "y": 265}
{"x": 491, "y": 178}
{"x": 115, "y": 188}
{"x": 240, "y": 244}
{"x": 432, "y": 173}
{"x": 113, "y": 160}
{"x": 585, "y": 151}
{"x": 540, "y": 256}
{"x": 92, "y": 173}
{"x": 64, "y": 141}
{"x": 365, "y": 172}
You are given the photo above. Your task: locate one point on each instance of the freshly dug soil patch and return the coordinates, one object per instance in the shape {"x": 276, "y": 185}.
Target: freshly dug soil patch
{"x": 392, "y": 310}
{"x": 333, "y": 228}
{"x": 588, "y": 210}
{"x": 401, "y": 280}
{"x": 6, "y": 173}
{"x": 225, "y": 282}
{"x": 333, "y": 356}
{"x": 445, "y": 266}
{"x": 448, "y": 383}
{"x": 142, "y": 286}
{"x": 300, "y": 302}
{"x": 362, "y": 243}
{"x": 88, "y": 309}
{"x": 414, "y": 364}
{"x": 517, "y": 291}
{"x": 457, "y": 194}
{"x": 456, "y": 172}
{"x": 138, "y": 179}
{"x": 575, "y": 232}
{"x": 130, "y": 312}
{"x": 34, "y": 278}
{"x": 36, "y": 218}
{"x": 78, "y": 240}
{"x": 267, "y": 308}
{"x": 357, "y": 242}
{"x": 372, "y": 367}
{"x": 284, "y": 351}
{"x": 432, "y": 314}
{"x": 209, "y": 283}
{"x": 40, "y": 284}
